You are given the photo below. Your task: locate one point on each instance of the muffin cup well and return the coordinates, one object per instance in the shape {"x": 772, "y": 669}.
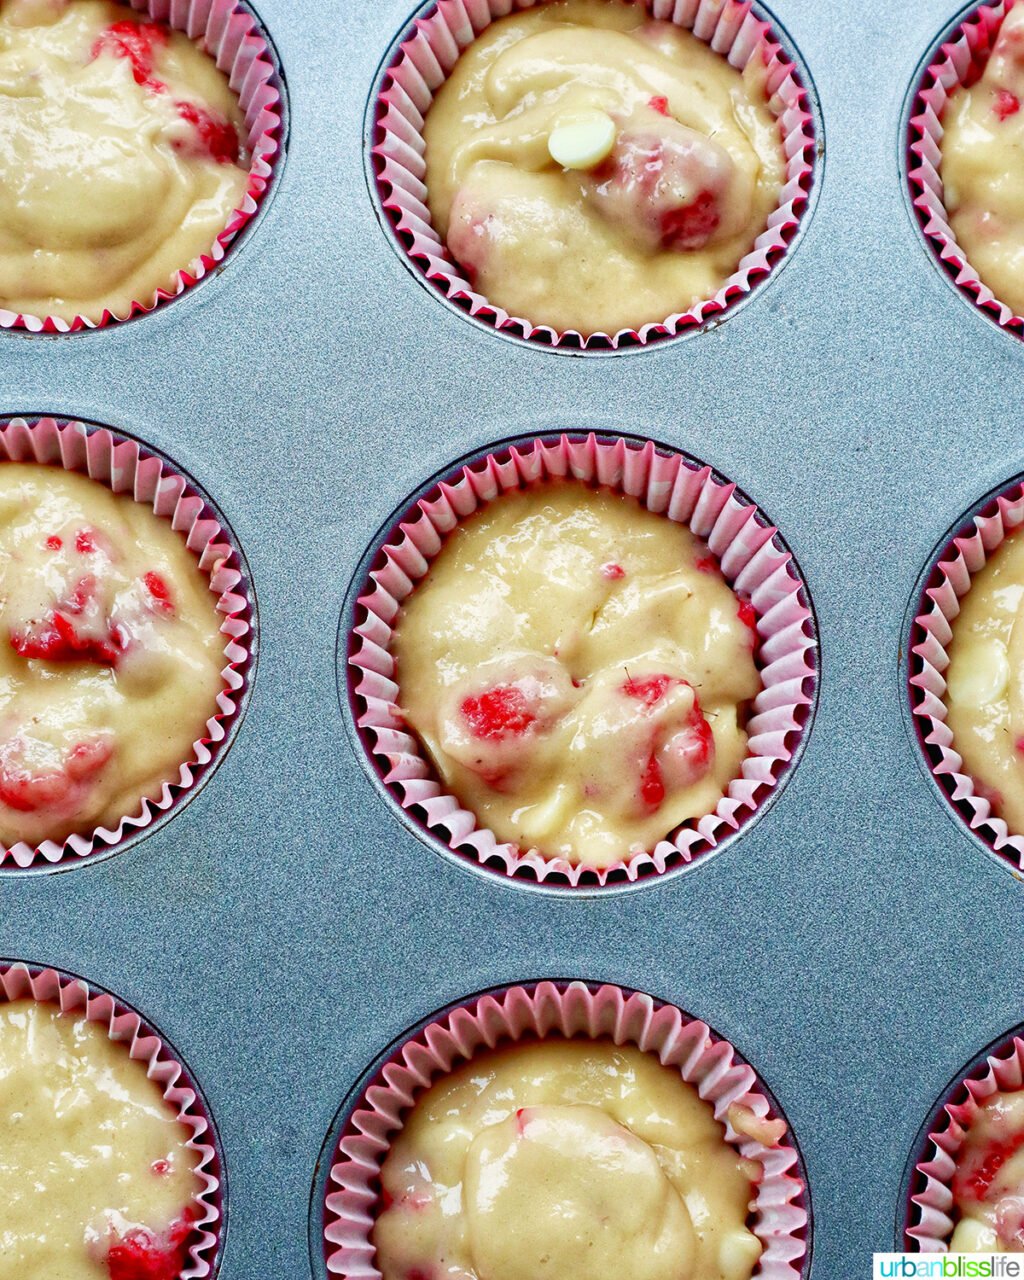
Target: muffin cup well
{"x": 753, "y": 560}
{"x": 958, "y": 62}
{"x": 575, "y": 1009}
{"x": 930, "y": 634}
{"x": 229, "y": 33}
{"x": 122, "y": 1024}
{"x": 124, "y": 466}
{"x": 930, "y": 1209}
{"x": 424, "y": 59}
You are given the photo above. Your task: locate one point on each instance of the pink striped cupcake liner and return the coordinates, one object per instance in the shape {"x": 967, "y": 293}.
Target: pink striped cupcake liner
{"x": 231, "y": 35}
{"x": 753, "y": 560}
{"x": 958, "y": 61}
{"x": 931, "y": 632}
{"x": 124, "y": 466}
{"x": 77, "y": 999}
{"x": 931, "y": 1213}
{"x": 423, "y": 59}
{"x": 780, "y": 1216}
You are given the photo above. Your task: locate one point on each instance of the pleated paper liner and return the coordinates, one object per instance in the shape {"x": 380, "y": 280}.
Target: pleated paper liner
{"x": 958, "y": 61}
{"x": 231, "y": 35}
{"x": 424, "y": 58}
{"x": 125, "y": 466}
{"x": 79, "y": 999}
{"x": 754, "y": 561}
{"x": 930, "y": 1213}
{"x": 931, "y": 631}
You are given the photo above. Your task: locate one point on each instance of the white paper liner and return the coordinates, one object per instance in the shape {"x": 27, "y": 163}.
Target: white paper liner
{"x": 575, "y": 1009}
{"x": 124, "y": 1025}
{"x": 425, "y": 59}
{"x": 931, "y": 633}
{"x": 932, "y": 1214}
{"x": 232, "y": 37}
{"x": 125, "y": 467}
{"x": 958, "y": 61}
{"x": 752, "y": 561}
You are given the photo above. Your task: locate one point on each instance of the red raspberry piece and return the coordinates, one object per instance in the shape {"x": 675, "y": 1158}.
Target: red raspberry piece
{"x": 612, "y": 572}
{"x": 690, "y": 226}
{"x": 160, "y": 1167}
{"x": 140, "y": 1255}
{"x": 746, "y": 615}
{"x": 27, "y": 792}
{"x": 138, "y": 42}
{"x": 652, "y": 785}
{"x": 216, "y": 135}
{"x": 159, "y": 591}
{"x": 1006, "y": 104}
{"x": 659, "y": 103}
{"x": 707, "y": 564}
{"x": 56, "y": 638}
{"x": 977, "y": 1181}
{"x": 648, "y": 691}
{"x": 85, "y": 542}
{"x": 498, "y": 713}
{"x": 54, "y": 543}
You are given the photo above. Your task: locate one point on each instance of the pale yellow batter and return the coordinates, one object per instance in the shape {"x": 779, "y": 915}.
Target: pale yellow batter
{"x": 985, "y": 682}
{"x": 565, "y": 1160}
{"x": 983, "y": 166}
{"x": 120, "y": 159}
{"x": 110, "y": 654}
{"x": 679, "y": 166}
{"x": 89, "y": 1150}
{"x": 988, "y": 1187}
{"x": 578, "y": 671}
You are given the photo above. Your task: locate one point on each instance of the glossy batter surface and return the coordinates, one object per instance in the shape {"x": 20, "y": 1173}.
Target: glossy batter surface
{"x": 565, "y": 1159}
{"x": 96, "y": 1179}
{"x": 988, "y": 1187}
{"x": 649, "y": 224}
{"x": 110, "y": 654}
{"x": 578, "y": 671}
{"x": 120, "y": 156}
{"x": 983, "y": 166}
{"x": 985, "y": 682}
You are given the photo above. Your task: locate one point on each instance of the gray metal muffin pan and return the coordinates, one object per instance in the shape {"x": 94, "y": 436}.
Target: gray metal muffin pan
{"x": 284, "y": 927}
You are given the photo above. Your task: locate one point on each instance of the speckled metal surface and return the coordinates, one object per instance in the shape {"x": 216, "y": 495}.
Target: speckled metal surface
{"x": 285, "y": 927}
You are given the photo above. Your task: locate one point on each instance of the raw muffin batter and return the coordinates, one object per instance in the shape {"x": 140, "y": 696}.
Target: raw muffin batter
{"x": 568, "y": 1159}
{"x": 578, "y": 671}
{"x": 985, "y": 682}
{"x": 120, "y": 159}
{"x": 110, "y": 654}
{"x": 983, "y": 166}
{"x": 988, "y": 1186}
{"x": 96, "y": 1179}
{"x": 593, "y": 169}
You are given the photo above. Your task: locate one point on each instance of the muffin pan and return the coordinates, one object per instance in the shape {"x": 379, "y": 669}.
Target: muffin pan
{"x": 284, "y": 928}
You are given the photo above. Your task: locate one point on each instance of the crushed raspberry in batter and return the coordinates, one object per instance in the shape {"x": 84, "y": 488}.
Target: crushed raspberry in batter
{"x": 498, "y": 713}
{"x": 57, "y": 639}
{"x": 746, "y": 615}
{"x": 27, "y": 792}
{"x": 141, "y": 1255}
{"x": 648, "y": 691}
{"x": 652, "y": 785}
{"x": 612, "y": 572}
{"x": 976, "y": 1183}
{"x": 1006, "y": 104}
{"x": 138, "y": 42}
{"x": 216, "y": 135}
{"x": 159, "y": 591}
{"x": 54, "y": 543}
{"x": 659, "y": 103}
{"x": 692, "y": 225}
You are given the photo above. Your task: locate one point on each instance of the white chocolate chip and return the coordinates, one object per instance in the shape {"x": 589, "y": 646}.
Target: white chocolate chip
{"x": 979, "y": 673}
{"x": 583, "y": 141}
{"x": 738, "y": 1254}
{"x": 972, "y": 1236}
